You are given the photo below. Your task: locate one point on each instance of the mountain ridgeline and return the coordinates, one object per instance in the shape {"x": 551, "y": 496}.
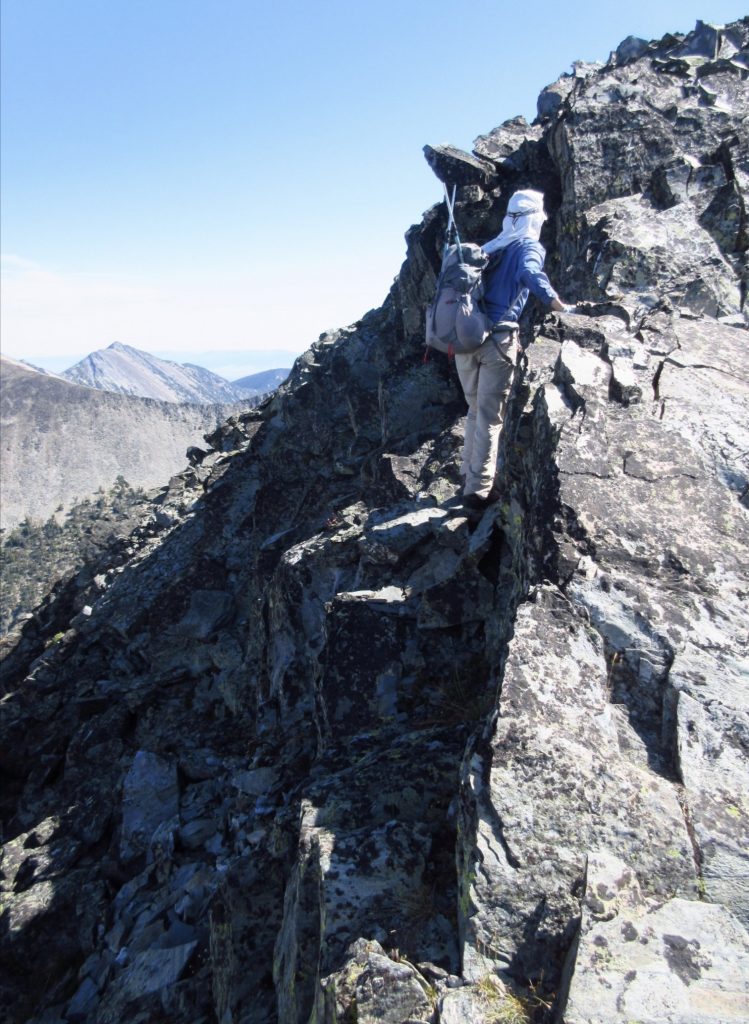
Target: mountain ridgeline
{"x": 316, "y": 747}
{"x": 129, "y": 371}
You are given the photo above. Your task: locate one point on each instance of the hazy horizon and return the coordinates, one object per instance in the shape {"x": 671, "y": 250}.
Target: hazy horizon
{"x": 230, "y": 365}
{"x": 215, "y": 185}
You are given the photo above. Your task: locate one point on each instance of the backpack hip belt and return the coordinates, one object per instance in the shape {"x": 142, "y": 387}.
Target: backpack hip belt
{"x": 505, "y": 327}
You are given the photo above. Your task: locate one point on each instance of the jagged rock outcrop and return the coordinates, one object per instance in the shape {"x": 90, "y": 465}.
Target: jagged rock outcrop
{"x": 327, "y": 750}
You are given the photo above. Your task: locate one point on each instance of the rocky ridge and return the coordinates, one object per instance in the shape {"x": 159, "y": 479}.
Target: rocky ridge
{"x": 326, "y": 749}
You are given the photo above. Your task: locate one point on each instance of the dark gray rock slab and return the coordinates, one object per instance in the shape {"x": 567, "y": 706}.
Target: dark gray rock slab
{"x": 150, "y": 799}
{"x": 208, "y": 611}
{"x": 453, "y": 166}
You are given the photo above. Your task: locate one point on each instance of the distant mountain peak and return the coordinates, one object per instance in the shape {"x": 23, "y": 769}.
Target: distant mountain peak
{"x": 263, "y": 382}
{"x": 127, "y": 370}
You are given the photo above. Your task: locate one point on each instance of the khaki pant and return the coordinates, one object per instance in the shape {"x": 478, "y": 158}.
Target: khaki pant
{"x": 486, "y": 377}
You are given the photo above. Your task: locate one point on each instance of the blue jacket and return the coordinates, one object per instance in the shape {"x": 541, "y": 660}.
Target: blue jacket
{"x": 517, "y": 271}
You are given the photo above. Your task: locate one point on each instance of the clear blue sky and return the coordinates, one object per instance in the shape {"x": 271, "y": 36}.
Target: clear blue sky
{"x": 222, "y": 182}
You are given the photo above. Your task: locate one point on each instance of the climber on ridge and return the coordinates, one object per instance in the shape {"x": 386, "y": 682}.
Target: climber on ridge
{"x": 486, "y": 374}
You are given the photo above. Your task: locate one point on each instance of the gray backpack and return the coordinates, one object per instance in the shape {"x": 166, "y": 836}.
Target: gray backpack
{"x": 455, "y": 321}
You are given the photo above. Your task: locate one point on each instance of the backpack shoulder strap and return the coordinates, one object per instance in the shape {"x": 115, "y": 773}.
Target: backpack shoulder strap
{"x": 494, "y": 260}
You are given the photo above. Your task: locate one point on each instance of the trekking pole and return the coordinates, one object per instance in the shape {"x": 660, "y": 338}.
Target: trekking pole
{"x": 452, "y": 227}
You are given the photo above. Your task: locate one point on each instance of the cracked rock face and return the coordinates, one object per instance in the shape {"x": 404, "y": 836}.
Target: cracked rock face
{"x": 328, "y": 749}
